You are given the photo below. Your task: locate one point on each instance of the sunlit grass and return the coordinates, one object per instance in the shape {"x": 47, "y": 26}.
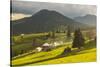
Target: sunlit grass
{"x": 38, "y": 56}
{"x": 88, "y": 54}
{"x": 83, "y": 56}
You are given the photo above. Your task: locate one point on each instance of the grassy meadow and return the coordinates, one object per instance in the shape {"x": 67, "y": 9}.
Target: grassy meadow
{"x": 24, "y": 53}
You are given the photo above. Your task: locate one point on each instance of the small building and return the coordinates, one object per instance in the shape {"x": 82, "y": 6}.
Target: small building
{"x": 38, "y": 49}
{"x": 22, "y": 35}
{"x": 46, "y": 47}
{"x": 57, "y": 43}
{"x": 46, "y": 44}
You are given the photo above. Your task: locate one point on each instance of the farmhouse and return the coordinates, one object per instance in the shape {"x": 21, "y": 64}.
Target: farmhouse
{"x": 46, "y": 47}
{"x": 22, "y": 36}
{"x": 38, "y": 49}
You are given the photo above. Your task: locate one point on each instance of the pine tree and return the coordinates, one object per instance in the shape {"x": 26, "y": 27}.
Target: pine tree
{"x": 68, "y": 33}
{"x": 13, "y": 40}
{"x": 78, "y": 40}
{"x": 53, "y": 34}
{"x": 34, "y": 42}
{"x": 48, "y": 35}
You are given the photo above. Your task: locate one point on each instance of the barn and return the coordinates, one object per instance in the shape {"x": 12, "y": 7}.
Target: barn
{"x": 46, "y": 47}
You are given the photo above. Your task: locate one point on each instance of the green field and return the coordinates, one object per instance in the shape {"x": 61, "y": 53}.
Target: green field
{"x": 55, "y": 56}
{"x": 88, "y": 56}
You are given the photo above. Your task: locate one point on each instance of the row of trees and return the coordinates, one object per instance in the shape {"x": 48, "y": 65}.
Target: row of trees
{"x": 78, "y": 40}
{"x": 52, "y": 34}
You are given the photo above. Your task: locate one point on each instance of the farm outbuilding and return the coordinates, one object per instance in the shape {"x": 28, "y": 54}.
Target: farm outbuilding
{"x": 46, "y": 47}
{"x": 39, "y": 49}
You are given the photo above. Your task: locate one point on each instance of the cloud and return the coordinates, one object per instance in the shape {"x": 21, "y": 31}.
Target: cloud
{"x": 16, "y": 16}
{"x": 71, "y": 10}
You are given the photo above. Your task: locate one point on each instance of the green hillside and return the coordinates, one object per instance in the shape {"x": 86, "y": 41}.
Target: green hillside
{"x": 88, "y": 56}
{"x": 44, "y": 21}
{"x": 55, "y": 56}
{"x": 24, "y": 50}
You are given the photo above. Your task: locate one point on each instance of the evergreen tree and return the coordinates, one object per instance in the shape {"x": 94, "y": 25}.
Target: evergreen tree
{"x": 68, "y": 32}
{"x": 78, "y": 40}
{"x": 95, "y": 38}
{"x": 34, "y": 42}
{"x": 58, "y": 31}
{"x": 48, "y": 35}
{"x": 13, "y": 40}
{"x": 53, "y": 34}
{"x": 22, "y": 51}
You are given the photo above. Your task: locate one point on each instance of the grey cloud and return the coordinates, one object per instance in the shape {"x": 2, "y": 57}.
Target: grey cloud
{"x": 71, "y": 10}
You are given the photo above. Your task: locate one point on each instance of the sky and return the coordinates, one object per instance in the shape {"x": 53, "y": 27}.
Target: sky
{"x": 22, "y": 9}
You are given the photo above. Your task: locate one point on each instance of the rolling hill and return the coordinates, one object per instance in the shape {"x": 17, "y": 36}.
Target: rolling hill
{"x": 43, "y": 21}
{"x": 87, "y": 19}
{"x": 55, "y": 56}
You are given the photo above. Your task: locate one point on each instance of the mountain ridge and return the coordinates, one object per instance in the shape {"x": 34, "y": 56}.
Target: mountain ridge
{"x": 43, "y": 21}
{"x": 87, "y": 19}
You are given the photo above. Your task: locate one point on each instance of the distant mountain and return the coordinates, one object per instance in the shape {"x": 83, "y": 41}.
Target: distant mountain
{"x": 87, "y": 19}
{"x": 43, "y": 21}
